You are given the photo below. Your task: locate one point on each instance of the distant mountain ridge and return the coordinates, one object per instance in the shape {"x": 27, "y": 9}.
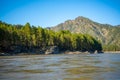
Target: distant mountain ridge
{"x": 106, "y": 33}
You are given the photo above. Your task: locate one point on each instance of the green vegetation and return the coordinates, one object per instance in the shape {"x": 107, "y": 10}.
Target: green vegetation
{"x": 29, "y": 37}
{"x": 114, "y": 47}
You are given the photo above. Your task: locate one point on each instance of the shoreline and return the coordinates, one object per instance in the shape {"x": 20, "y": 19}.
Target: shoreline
{"x": 67, "y": 53}
{"x": 61, "y": 52}
{"x": 111, "y": 51}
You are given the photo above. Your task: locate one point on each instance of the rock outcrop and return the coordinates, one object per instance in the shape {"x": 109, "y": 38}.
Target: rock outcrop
{"x": 52, "y": 50}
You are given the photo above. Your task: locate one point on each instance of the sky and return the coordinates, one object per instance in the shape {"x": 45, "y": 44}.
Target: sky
{"x": 47, "y": 13}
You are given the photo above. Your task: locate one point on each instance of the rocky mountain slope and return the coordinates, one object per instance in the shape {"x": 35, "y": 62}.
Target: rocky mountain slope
{"x": 106, "y": 33}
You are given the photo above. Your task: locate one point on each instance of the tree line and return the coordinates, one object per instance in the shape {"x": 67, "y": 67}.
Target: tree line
{"x": 30, "y": 37}
{"x": 112, "y": 47}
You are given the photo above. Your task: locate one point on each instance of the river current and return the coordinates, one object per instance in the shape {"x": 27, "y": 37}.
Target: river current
{"x": 61, "y": 67}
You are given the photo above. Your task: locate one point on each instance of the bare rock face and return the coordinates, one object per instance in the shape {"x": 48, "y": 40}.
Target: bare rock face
{"x": 52, "y": 50}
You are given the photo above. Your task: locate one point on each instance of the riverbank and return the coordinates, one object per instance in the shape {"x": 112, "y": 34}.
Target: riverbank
{"x": 48, "y": 53}
{"x": 111, "y": 51}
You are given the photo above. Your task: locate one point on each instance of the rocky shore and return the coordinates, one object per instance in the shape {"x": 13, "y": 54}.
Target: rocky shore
{"x": 17, "y": 50}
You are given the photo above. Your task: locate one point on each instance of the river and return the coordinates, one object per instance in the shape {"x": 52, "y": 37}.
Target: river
{"x": 61, "y": 67}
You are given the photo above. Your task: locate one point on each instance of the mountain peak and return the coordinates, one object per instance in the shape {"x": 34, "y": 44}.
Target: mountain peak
{"x": 82, "y": 19}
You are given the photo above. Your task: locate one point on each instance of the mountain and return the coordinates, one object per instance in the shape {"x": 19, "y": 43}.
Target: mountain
{"x": 107, "y": 34}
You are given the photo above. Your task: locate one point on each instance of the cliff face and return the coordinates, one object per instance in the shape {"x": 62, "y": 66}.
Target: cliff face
{"x": 106, "y": 33}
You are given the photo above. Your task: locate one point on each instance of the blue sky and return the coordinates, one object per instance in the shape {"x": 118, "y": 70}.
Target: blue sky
{"x": 48, "y": 13}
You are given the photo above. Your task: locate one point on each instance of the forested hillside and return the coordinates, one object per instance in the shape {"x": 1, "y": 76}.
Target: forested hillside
{"x": 27, "y": 38}
{"x": 107, "y": 34}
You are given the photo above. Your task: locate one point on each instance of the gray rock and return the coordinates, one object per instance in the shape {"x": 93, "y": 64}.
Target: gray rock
{"x": 52, "y": 50}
